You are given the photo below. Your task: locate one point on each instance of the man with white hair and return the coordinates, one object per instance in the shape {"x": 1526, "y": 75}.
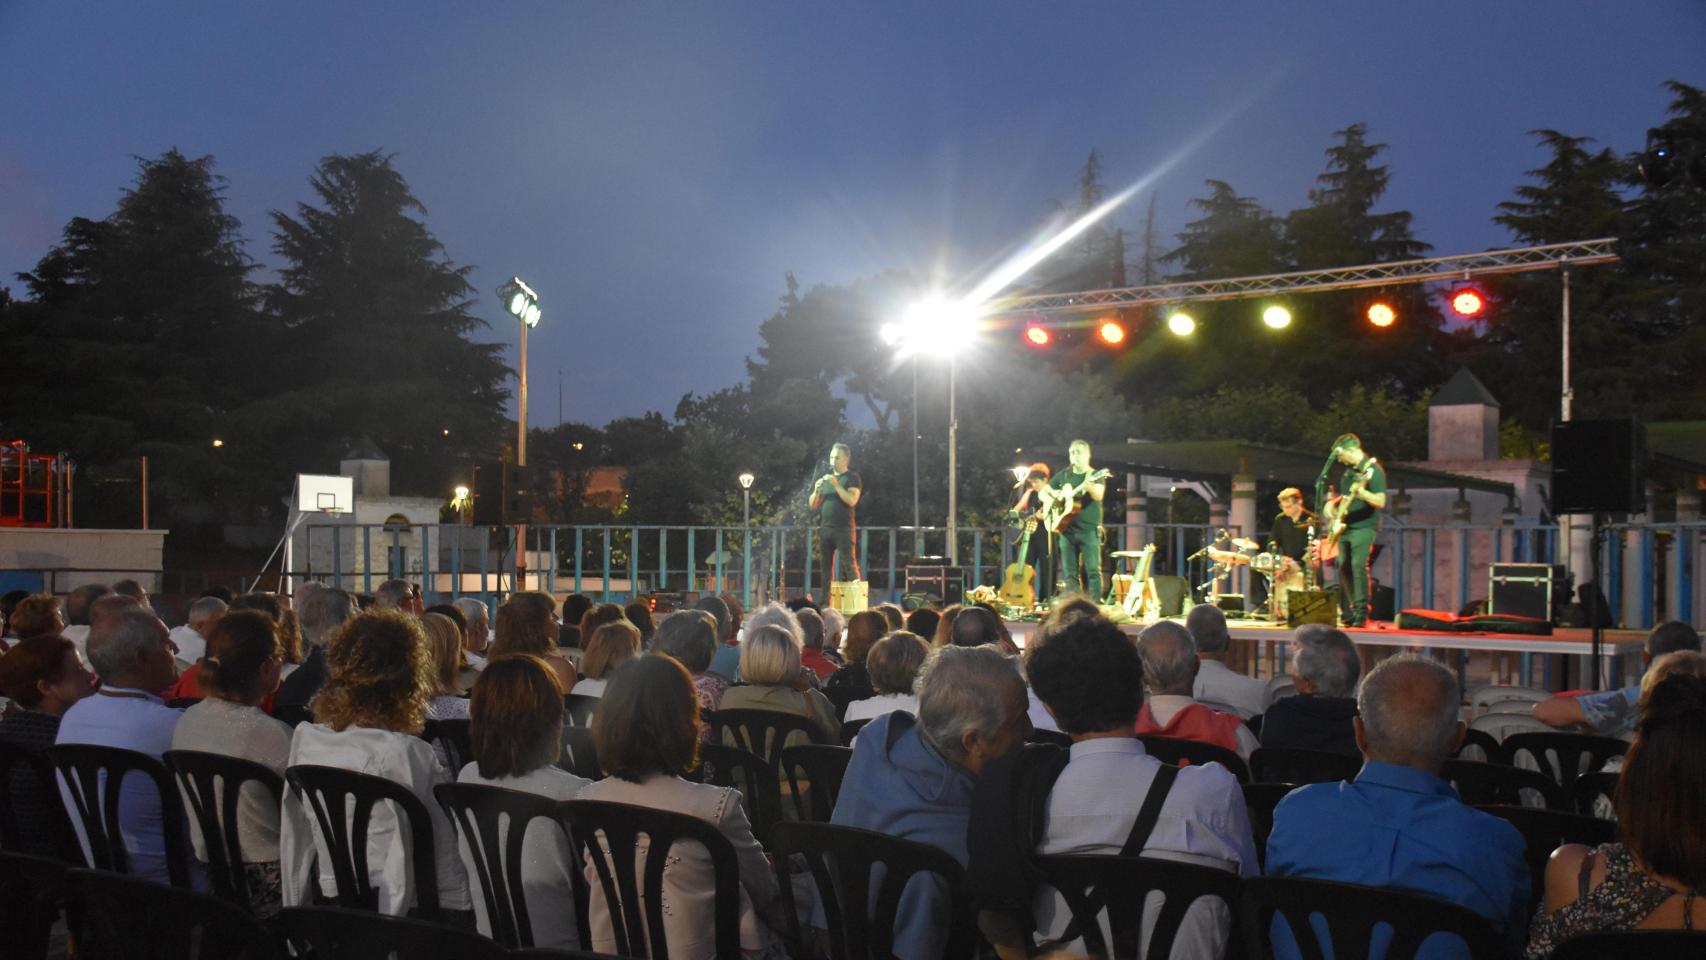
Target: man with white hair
{"x": 319, "y": 612}
{"x": 479, "y": 629}
{"x": 1324, "y": 669}
{"x": 1217, "y": 683}
{"x": 132, "y": 653}
{"x": 1170, "y": 672}
{"x": 397, "y": 594}
{"x": 191, "y": 638}
{"x": 1398, "y": 824}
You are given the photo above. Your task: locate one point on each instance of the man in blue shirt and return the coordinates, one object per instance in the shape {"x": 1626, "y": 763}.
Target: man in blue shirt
{"x": 1611, "y": 713}
{"x": 1398, "y": 824}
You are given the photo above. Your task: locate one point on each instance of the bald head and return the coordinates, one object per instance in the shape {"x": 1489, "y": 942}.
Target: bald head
{"x": 1169, "y": 658}
{"x": 1409, "y": 707}
{"x": 110, "y": 605}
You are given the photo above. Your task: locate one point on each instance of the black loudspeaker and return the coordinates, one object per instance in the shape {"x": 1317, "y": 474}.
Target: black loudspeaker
{"x": 1599, "y": 466}
{"x": 1382, "y": 603}
{"x": 1173, "y": 593}
{"x": 488, "y": 494}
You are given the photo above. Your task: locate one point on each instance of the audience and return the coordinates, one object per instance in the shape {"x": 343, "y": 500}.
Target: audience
{"x": 479, "y": 632}
{"x": 133, "y": 657}
{"x": 397, "y": 594}
{"x": 647, "y": 737}
{"x": 811, "y": 644}
{"x": 43, "y": 676}
{"x": 943, "y": 635}
{"x": 1611, "y": 713}
{"x": 912, "y": 776}
{"x": 639, "y": 613}
{"x": 607, "y": 648}
{"x": 1170, "y": 671}
{"x": 447, "y": 701}
{"x": 892, "y": 615}
{"x": 726, "y": 630}
{"x": 893, "y": 665}
{"x": 8, "y": 603}
{"x": 191, "y": 638}
{"x": 923, "y": 621}
{"x": 77, "y": 612}
{"x": 975, "y": 627}
{"x": 770, "y": 664}
{"x": 1398, "y": 824}
{"x": 834, "y": 624}
{"x": 776, "y": 614}
{"x": 527, "y": 623}
{"x": 1218, "y": 685}
{"x": 690, "y": 636}
{"x": 1324, "y": 669}
{"x": 516, "y": 736}
{"x": 324, "y": 610}
{"x": 575, "y": 606}
{"x": 241, "y": 668}
{"x": 367, "y": 718}
{"x": 36, "y": 615}
{"x": 188, "y": 686}
{"x": 853, "y": 682}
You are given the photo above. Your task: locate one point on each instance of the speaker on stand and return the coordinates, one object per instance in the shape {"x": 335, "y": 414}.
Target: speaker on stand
{"x": 1598, "y": 467}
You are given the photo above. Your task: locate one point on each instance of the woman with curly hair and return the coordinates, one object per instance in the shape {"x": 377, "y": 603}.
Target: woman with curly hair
{"x": 527, "y": 623}
{"x": 380, "y": 677}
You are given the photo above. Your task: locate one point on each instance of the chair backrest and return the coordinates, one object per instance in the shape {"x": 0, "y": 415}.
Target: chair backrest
{"x": 1563, "y": 756}
{"x": 579, "y": 756}
{"x": 212, "y": 785}
{"x": 1590, "y": 789}
{"x": 1260, "y": 799}
{"x": 1478, "y": 782}
{"x": 1518, "y": 707}
{"x": 578, "y": 709}
{"x": 1351, "y": 913}
{"x": 763, "y": 732}
{"x": 1296, "y": 765}
{"x": 1050, "y": 737}
{"x": 851, "y": 728}
{"x": 1278, "y": 688}
{"x": 1501, "y": 725}
{"x": 747, "y": 772}
{"x": 1544, "y": 831}
{"x": 1178, "y": 752}
{"x": 633, "y": 896}
{"x": 1646, "y": 944}
{"x": 94, "y": 778}
{"x": 33, "y": 891}
{"x": 456, "y": 738}
{"x": 28, "y": 791}
{"x": 1478, "y": 745}
{"x": 814, "y": 774}
{"x": 118, "y": 917}
{"x": 342, "y": 803}
{"x": 1484, "y": 696}
{"x": 1120, "y": 886}
{"x": 334, "y": 933}
{"x": 497, "y": 851}
{"x": 861, "y": 908}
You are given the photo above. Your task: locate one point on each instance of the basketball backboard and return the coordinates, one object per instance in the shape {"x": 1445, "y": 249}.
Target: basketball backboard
{"x": 324, "y": 494}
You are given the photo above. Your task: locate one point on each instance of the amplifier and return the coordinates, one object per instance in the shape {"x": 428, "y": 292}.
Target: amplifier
{"x": 1311, "y": 606}
{"x": 947, "y": 584}
{"x": 1524, "y": 589}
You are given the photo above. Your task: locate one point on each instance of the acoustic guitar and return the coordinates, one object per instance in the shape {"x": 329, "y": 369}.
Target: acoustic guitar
{"x": 1017, "y": 581}
{"x": 1057, "y": 513}
{"x": 1334, "y": 512}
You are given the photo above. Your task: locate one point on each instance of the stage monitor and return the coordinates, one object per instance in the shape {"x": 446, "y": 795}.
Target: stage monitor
{"x": 317, "y": 493}
{"x": 1599, "y": 466}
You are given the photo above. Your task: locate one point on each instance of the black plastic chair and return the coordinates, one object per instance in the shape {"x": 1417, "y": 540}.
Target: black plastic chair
{"x": 497, "y": 854}
{"x": 1488, "y": 783}
{"x": 578, "y": 709}
{"x": 1480, "y": 740}
{"x": 1351, "y": 913}
{"x": 1261, "y": 799}
{"x": 341, "y": 802}
{"x": 212, "y": 784}
{"x": 1544, "y": 831}
{"x": 859, "y": 908}
{"x": 763, "y": 732}
{"x": 1050, "y": 737}
{"x": 747, "y": 772}
{"x": 33, "y": 892}
{"x": 1563, "y": 756}
{"x": 1179, "y": 752}
{"x": 579, "y": 756}
{"x": 851, "y": 728}
{"x": 1590, "y": 787}
{"x": 543, "y": 953}
{"x": 30, "y": 774}
{"x": 609, "y": 834}
{"x": 1296, "y": 765}
{"x": 1646, "y": 944}
{"x": 1120, "y": 886}
{"x": 1255, "y": 725}
{"x": 456, "y": 739}
{"x": 814, "y": 774}
{"x": 119, "y": 917}
{"x": 334, "y": 933}
{"x": 182, "y": 703}
{"x": 841, "y": 697}
{"x": 94, "y": 777}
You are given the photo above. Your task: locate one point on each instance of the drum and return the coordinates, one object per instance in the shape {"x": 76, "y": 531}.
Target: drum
{"x": 1267, "y": 562}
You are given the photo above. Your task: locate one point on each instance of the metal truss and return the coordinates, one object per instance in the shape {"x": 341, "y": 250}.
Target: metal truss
{"x": 1460, "y": 267}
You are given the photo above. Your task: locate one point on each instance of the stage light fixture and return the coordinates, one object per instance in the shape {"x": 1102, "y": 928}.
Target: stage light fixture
{"x": 1381, "y": 314}
{"x": 1277, "y": 317}
{"x": 1038, "y": 336}
{"x": 1658, "y": 164}
{"x": 1467, "y": 302}
{"x": 935, "y": 326}
{"x": 521, "y": 302}
{"x": 1111, "y": 332}
{"x": 1181, "y": 323}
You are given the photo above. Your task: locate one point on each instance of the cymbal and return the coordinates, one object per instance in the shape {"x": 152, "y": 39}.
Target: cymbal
{"x": 1227, "y": 556}
{"x": 1132, "y": 554}
{"x": 1243, "y": 543}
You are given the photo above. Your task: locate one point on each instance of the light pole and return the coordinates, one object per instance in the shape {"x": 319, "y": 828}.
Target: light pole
{"x": 462, "y": 503}
{"x": 746, "y": 552}
{"x": 522, "y": 304}
{"x": 938, "y": 327}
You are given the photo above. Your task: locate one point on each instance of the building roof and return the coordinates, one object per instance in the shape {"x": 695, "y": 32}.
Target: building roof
{"x": 365, "y": 449}
{"x": 1464, "y": 388}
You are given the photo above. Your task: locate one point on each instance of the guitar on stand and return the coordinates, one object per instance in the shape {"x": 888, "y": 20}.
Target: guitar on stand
{"x": 1017, "y": 582}
{"x": 1062, "y": 505}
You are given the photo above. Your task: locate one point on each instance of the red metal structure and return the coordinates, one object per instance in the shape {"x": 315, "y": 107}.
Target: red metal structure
{"x": 28, "y": 486}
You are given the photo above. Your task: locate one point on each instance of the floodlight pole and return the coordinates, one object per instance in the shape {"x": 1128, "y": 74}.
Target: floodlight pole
{"x": 521, "y": 465}
{"x": 953, "y": 467}
{"x": 1568, "y": 395}
{"x": 917, "y": 521}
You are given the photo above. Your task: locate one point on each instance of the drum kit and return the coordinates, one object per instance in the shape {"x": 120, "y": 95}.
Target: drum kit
{"x": 1227, "y": 552}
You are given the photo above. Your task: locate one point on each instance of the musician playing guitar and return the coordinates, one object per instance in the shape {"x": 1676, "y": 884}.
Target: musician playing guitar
{"x": 1352, "y": 522}
{"x": 1074, "y": 499}
{"x": 1030, "y": 580}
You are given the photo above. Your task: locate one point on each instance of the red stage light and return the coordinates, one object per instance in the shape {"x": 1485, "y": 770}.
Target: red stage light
{"x": 1038, "y": 336}
{"x": 1111, "y": 332}
{"x": 1467, "y": 302}
{"x": 1381, "y": 314}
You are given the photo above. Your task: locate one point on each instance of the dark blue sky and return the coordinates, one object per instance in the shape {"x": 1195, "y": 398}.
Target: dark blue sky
{"x": 654, "y": 168}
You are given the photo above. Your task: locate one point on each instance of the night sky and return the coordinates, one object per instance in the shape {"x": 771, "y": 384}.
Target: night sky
{"x": 653, "y": 169}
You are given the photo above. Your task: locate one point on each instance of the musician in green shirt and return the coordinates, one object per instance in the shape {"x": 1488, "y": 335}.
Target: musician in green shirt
{"x": 1081, "y": 487}
{"x": 1365, "y": 484}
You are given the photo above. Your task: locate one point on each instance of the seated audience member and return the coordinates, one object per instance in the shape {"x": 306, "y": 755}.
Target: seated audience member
{"x": 811, "y": 644}
{"x": 241, "y": 668}
{"x": 1611, "y": 713}
{"x": 647, "y": 737}
{"x": 1651, "y": 877}
{"x": 527, "y": 623}
{"x": 290, "y": 640}
{"x": 606, "y": 648}
{"x": 368, "y": 718}
{"x": 943, "y": 635}
{"x": 9, "y": 602}
{"x": 516, "y": 736}
{"x": 1398, "y": 824}
{"x": 639, "y": 613}
{"x": 398, "y": 594}
{"x": 36, "y": 615}
{"x": 923, "y": 621}
{"x": 136, "y": 591}
{"x": 447, "y": 702}
{"x": 466, "y": 673}
{"x": 893, "y": 615}
{"x": 133, "y": 657}
{"x": 834, "y": 625}
{"x": 1090, "y": 677}
{"x": 804, "y": 603}
{"x": 188, "y": 686}
{"x": 852, "y": 681}
{"x": 77, "y": 613}
{"x": 893, "y": 665}
{"x": 974, "y": 627}
{"x": 1170, "y": 671}
{"x": 43, "y": 677}
{"x": 191, "y": 638}
{"x": 726, "y": 635}
{"x": 912, "y": 776}
{"x": 324, "y": 610}
{"x": 780, "y": 615}
{"x": 1217, "y": 683}
{"x": 479, "y": 634}
{"x": 770, "y": 664}
{"x": 690, "y": 636}
{"x": 1324, "y": 669}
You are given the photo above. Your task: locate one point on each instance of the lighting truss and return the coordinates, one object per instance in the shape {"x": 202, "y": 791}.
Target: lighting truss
{"x": 1460, "y": 267}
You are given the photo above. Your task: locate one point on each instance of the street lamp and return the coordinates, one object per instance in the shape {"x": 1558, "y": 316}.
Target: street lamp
{"x": 522, "y": 304}
{"x": 939, "y": 327}
{"x": 462, "y": 502}
{"x": 746, "y": 525}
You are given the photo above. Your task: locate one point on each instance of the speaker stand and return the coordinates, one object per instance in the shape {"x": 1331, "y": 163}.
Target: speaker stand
{"x": 1596, "y": 617}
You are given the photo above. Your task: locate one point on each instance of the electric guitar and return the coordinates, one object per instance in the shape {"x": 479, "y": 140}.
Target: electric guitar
{"x": 1334, "y": 512}
{"x": 1017, "y": 589}
{"x": 1058, "y": 512}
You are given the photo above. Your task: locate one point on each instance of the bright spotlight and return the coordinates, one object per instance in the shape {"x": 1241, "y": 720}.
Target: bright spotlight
{"x": 1111, "y": 332}
{"x": 1381, "y": 314}
{"x": 521, "y": 302}
{"x": 1020, "y": 472}
{"x": 1182, "y": 324}
{"x": 1467, "y": 302}
{"x": 1038, "y": 336}
{"x": 1277, "y": 317}
{"x": 461, "y": 491}
{"x": 935, "y": 326}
